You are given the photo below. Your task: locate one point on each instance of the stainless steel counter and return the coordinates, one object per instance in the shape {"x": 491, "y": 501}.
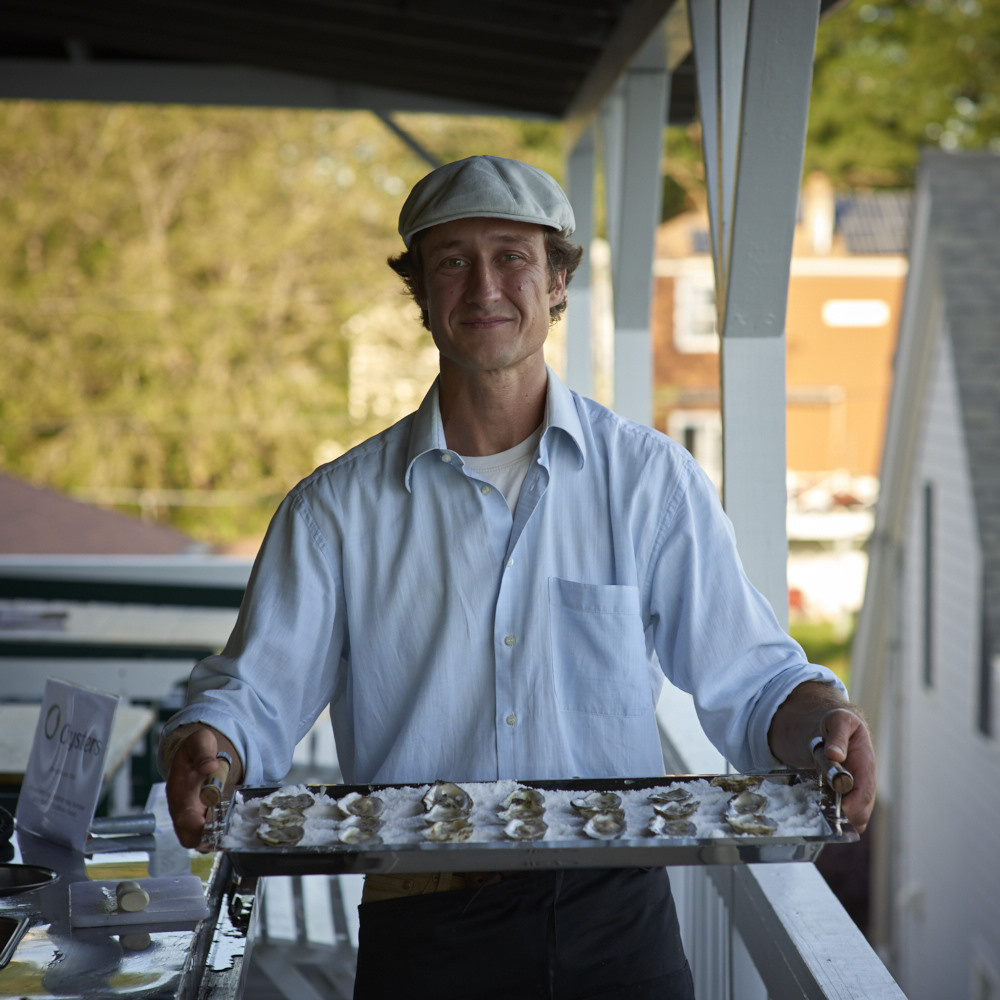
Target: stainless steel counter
{"x": 198, "y": 958}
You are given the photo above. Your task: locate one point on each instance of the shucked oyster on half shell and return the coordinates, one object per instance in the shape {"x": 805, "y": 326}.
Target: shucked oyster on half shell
{"x": 447, "y": 793}
{"x": 737, "y": 782}
{"x": 676, "y": 793}
{"x": 522, "y": 803}
{"x": 678, "y": 809}
{"x": 605, "y": 825}
{"x": 358, "y": 830}
{"x": 756, "y": 824}
{"x": 660, "y": 826}
{"x": 747, "y": 802}
{"x": 280, "y": 836}
{"x": 449, "y": 830}
{"x": 356, "y": 804}
{"x": 596, "y": 802}
{"x": 286, "y": 799}
{"x": 525, "y": 828}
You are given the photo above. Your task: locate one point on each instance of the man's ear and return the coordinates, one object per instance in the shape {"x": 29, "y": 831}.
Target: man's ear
{"x": 557, "y": 293}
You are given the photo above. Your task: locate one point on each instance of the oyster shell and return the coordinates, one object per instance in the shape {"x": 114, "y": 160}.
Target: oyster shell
{"x": 277, "y": 818}
{"x": 280, "y": 836}
{"x": 737, "y": 782}
{"x": 282, "y": 799}
{"x": 605, "y": 825}
{"x": 596, "y": 802}
{"x": 678, "y": 809}
{"x": 747, "y": 802}
{"x": 449, "y": 830}
{"x": 356, "y": 804}
{"x": 360, "y": 830}
{"x": 660, "y": 826}
{"x": 526, "y": 828}
{"x": 676, "y": 793}
{"x": 443, "y": 812}
{"x": 522, "y": 803}
{"x": 755, "y": 824}
{"x": 449, "y": 794}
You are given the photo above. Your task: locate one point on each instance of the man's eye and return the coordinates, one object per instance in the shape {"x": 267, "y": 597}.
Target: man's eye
{"x": 452, "y": 262}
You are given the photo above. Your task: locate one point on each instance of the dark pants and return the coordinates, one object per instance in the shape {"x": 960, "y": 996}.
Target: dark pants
{"x": 602, "y": 934}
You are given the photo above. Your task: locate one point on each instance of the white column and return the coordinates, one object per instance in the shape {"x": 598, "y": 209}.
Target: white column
{"x": 633, "y": 125}
{"x": 580, "y": 169}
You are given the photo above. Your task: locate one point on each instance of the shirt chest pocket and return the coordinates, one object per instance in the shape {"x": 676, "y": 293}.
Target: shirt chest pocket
{"x": 598, "y": 649}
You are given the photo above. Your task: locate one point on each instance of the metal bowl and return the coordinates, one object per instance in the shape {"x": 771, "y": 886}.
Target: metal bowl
{"x": 23, "y": 878}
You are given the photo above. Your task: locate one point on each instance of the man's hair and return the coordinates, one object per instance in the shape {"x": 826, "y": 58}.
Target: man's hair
{"x": 561, "y": 254}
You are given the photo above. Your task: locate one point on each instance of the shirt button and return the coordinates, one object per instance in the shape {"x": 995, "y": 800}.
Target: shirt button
{"x": 510, "y": 562}
{"x": 446, "y": 457}
{"x": 510, "y": 640}
{"x": 486, "y": 490}
{"x": 512, "y": 719}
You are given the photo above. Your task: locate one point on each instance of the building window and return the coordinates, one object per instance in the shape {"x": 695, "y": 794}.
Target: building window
{"x": 984, "y": 700}
{"x": 694, "y": 311}
{"x": 700, "y": 431}
{"x": 927, "y": 581}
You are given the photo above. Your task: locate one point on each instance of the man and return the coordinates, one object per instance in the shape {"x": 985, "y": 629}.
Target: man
{"x": 494, "y": 588}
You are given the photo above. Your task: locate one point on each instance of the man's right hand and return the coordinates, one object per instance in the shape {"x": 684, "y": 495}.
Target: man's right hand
{"x": 195, "y": 760}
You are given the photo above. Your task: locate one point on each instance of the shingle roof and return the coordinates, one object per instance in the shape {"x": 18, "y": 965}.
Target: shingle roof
{"x": 876, "y": 222}
{"x": 42, "y": 522}
{"x": 965, "y": 225}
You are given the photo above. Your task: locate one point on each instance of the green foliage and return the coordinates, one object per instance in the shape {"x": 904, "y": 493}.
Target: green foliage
{"x": 894, "y": 76}
{"x": 177, "y": 286}
{"x": 827, "y": 643}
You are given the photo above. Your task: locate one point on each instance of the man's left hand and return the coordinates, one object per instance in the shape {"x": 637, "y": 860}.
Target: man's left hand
{"x": 814, "y": 709}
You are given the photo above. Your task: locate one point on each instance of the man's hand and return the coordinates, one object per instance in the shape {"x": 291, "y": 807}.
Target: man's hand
{"x": 814, "y": 709}
{"x": 195, "y": 760}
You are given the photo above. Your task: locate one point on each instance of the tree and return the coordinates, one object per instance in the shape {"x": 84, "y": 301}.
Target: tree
{"x": 894, "y": 76}
{"x": 178, "y": 292}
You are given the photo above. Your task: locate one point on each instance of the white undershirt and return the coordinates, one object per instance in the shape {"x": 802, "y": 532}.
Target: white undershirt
{"x": 507, "y": 469}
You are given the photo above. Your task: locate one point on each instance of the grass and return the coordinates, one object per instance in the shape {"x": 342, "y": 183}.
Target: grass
{"x": 826, "y": 642}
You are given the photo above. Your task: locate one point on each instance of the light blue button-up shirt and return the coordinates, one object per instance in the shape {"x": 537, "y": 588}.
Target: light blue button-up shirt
{"x": 454, "y": 639}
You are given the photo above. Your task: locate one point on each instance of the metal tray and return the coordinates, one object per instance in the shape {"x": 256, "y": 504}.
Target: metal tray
{"x": 640, "y": 849}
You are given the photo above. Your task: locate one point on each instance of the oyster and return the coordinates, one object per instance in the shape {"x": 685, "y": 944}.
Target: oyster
{"x": 449, "y": 830}
{"x": 356, "y": 804}
{"x": 526, "y": 828}
{"x": 449, "y": 794}
{"x": 756, "y": 824}
{"x": 606, "y": 825}
{"x": 522, "y": 803}
{"x": 360, "y": 830}
{"x": 737, "y": 782}
{"x": 443, "y": 812}
{"x": 277, "y": 818}
{"x": 747, "y": 802}
{"x": 678, "y": 809}
{"x": 280, "y": 836}
{"x": 660, "y": 826}
{"x": 677, "y": 793}
{"x": 596, "y": 802}
{"x": 283, "y": 799}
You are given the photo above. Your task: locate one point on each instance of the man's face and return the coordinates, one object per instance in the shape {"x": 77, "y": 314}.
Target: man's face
{"x": 487, "y": 291}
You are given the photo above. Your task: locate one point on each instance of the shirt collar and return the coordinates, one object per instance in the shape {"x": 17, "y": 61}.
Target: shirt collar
{"x": 427, "y": 431}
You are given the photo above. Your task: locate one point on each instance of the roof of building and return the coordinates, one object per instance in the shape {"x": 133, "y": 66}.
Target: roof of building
{"x": 39, "y": 521}
{"x": 875, "y": 222}
{"x": 965, "y": 227}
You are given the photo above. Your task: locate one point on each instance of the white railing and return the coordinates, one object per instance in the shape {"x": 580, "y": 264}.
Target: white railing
{"x": 756, "y": 932}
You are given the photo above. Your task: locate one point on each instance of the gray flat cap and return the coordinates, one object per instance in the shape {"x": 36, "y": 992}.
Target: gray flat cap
{"x": 489, "y": 187}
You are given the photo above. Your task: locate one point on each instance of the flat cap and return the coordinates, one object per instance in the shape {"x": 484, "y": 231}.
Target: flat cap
{"x": 489, "y": 187}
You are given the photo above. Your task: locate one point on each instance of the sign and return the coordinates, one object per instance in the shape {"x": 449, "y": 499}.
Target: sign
{"x": 66, "y": 766}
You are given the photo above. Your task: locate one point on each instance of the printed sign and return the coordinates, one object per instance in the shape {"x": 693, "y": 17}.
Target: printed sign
{"x": 66, "y": 766}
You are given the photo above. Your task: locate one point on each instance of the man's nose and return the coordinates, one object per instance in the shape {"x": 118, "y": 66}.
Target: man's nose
{"x": 484, "y": 283}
